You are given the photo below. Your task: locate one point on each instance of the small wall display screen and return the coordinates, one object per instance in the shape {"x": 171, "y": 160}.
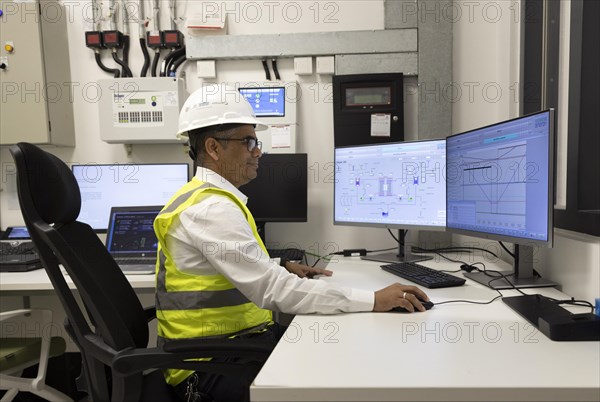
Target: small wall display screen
{"x": 266, "y": 102}
{"x": 367, "y": 96}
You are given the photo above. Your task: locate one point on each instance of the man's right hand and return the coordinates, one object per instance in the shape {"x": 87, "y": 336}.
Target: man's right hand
{"x": 398, "y": 295}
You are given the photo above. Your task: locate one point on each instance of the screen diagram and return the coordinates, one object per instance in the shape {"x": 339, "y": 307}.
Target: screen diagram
{"x": 392, "y": 184}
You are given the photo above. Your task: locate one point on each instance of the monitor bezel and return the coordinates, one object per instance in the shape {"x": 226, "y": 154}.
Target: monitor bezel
{"x": 436, "y": 228}
{"x": 551, "y": 177}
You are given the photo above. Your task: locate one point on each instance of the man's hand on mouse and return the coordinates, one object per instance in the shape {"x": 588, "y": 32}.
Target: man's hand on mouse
{"x": 398, "y": 295}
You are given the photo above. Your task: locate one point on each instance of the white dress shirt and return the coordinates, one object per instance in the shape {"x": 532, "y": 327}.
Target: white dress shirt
{"x": 214, "y": 237}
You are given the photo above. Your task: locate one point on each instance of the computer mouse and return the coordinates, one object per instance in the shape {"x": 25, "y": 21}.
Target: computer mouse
{"x": 427, "y": 304}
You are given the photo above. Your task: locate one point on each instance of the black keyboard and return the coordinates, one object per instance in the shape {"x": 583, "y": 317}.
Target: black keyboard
{"x": 292, "y": 254}
{"x": 422, "y": 275}
{"x": 19, "y": 249}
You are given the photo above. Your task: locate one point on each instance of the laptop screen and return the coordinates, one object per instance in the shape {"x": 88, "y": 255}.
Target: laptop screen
{"x": 131, "y": 232}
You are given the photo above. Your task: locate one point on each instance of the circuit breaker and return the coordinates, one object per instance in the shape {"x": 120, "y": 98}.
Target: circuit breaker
{"x": 35, "y": 77}
{"x": 140, "y": 110}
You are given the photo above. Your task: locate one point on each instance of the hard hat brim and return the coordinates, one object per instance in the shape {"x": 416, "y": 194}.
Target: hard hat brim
{"x": 259, "y": 126}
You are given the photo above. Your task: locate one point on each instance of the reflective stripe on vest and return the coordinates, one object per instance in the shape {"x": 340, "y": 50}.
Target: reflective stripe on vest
{"x": 198, "y": 306}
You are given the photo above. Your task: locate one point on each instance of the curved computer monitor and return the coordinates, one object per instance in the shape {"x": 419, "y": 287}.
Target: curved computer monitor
{"x": 500, "y": 186}
{"x": 399, "y": 185}
{"x": 104, "y": 186}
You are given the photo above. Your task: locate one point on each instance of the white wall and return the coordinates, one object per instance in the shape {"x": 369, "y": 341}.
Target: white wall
{"x": 485, "y": 69}
{"x": 486, "y": 48}
{"x": 315, "y": 108}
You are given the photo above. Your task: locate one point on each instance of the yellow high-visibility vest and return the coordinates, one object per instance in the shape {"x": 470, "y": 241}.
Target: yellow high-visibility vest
{"x": 199, "y": 306}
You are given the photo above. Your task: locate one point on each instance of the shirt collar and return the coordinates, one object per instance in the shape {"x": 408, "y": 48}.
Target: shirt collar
{"x": 208, "y": 176}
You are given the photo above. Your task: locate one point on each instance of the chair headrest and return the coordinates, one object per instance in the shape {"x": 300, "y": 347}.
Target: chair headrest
{"x": 53, "y": 187}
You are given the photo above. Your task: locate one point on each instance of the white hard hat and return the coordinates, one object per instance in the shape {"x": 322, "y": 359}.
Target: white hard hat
{"x": 213, "y": 105}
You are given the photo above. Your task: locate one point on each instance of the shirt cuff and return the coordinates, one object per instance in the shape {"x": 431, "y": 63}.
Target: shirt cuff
{"x": 363, "y": 300}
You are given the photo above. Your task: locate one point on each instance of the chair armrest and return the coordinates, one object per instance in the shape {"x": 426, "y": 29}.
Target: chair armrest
{"x": 150, "y": 313}
{"x": 175, "y": 353}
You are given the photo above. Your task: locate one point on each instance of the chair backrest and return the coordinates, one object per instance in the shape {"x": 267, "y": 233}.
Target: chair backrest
{"x": 50, "y": 202}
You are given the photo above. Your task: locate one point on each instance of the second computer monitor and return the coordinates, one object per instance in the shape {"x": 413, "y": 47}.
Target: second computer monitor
{"x": 501, "y": 187}
{"x": 104, "y": 186}
{"x": 279, "y": 192}
{"x": 397, "y": 185}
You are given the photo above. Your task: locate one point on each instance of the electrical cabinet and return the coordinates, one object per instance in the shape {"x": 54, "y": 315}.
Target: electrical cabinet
{"x": 368, "y": 109}
{"x": 141, "y": 110}
{"x": 37, "y": 98}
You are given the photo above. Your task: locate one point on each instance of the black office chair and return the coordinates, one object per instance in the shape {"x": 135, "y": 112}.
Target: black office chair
{"x": 114, "y": 343}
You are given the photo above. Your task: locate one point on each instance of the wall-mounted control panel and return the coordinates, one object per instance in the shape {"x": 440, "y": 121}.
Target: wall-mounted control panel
{"x": 141, "y": 110}
{"x": 275, "y": 103}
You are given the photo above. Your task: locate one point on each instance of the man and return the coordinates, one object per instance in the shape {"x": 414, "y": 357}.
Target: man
{"x": 215, "y": 278}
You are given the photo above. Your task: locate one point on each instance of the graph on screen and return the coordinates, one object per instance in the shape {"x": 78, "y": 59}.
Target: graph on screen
{"x": 494, "y": 184}
{"x": 498, "y": 179}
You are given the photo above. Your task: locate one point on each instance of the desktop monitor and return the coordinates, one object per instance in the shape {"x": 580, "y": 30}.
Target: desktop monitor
{"x": 103, "y": 186}
{"x": 398, "y": 185}
{"x": 279, "y": 192}
{"x": 500, "y": 182}
{"x": 266, "y": 101}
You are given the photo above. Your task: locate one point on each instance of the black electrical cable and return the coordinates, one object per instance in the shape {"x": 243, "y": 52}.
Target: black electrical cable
{"x": 114, "y": 71}
{"x": 266, "y": 67}
{"x": 506, "y": 249}
{"x": 536, "y": 273}
{"x": 471, "y": 301}
{"x": 165, "y": 63}
{"x": 420, "y": 250}
{"x": 126, "y": 70}
{"x": 500, "y": 275}
{"x": 126, "y": 56}
{"x": 325, "y": 256}
{"x": 155, "y": 62}
{"x": 395, "y": 238}
{"x": 275, "y": 70}
{"x": 574, "y": 302}
{"x": 171, "y": 58}
{"x": 175, "y": 65}
{"x": 384, "y": 249}
{"x": 146, "y": 57}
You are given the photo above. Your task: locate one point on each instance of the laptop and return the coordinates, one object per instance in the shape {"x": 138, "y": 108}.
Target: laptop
{"x": 17, "y": 253}
{"x": 130, "y": 238}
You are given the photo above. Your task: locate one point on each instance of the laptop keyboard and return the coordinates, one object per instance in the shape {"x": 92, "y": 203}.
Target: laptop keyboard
{"x": 22, "y": 248}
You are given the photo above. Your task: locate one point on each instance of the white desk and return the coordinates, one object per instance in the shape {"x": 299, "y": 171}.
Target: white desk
{"x": 33, "y": 290}
{"x": 38, "y": 281}
{"x": 454, "y": 352}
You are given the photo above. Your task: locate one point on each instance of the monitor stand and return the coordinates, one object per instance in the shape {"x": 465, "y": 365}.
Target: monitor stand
{"x": 521, "y": 277}
{"x": 403, "y": 254}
